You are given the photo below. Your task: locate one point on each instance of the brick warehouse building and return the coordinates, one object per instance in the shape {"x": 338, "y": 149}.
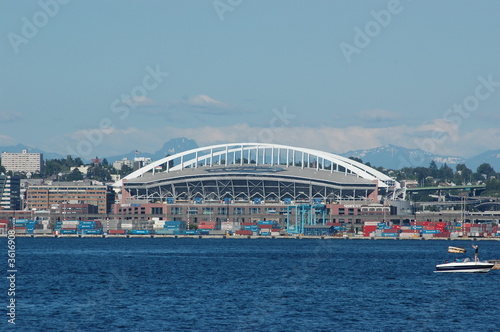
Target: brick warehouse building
{"x": 58, "y": 195}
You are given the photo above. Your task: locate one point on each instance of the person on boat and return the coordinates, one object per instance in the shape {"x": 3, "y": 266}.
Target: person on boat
{"x": 476, "y": 252}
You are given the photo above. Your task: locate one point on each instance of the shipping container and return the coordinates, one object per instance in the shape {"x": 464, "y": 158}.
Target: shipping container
{"x": 244, "y": 232}
{"x": 430, "y": 231}
{"x": 117, "y": 231}
{"x": 92, "y": 231}
{"x": 168, "y": 231}
{"x": 265, "y": 226}
{"x": 67, "y": 231}
{"x": 389, "y": 234}
{"x": 265, "y": 222}
{"x": 140, "y": 231}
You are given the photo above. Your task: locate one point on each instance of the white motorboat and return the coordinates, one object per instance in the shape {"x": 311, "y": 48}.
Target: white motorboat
{"x": 465, "y": 266}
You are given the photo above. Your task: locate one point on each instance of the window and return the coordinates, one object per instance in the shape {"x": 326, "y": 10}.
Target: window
{"x": 208, "y": 210}
{"x": 239, "y": 211}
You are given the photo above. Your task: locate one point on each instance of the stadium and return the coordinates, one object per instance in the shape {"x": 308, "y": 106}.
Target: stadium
{"x": 255, "y": 173}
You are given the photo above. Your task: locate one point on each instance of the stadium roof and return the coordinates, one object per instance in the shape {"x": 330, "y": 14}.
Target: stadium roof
{"x": 260, "y": 159}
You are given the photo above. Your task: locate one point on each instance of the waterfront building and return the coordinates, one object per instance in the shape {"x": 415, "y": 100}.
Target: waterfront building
{"x": 10, "y": 192}
{"x": 249, "y": 182}
{"x": 23, "y": 162}
{"x": 48, "y": 197}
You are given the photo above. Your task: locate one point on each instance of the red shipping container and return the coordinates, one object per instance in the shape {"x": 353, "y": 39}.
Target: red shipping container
{"x": 275, "y": 230}
{"x": 248, "y": 223}
{"x": 3, "y": 221}
{"x": 206, "y": 227}
{"x": 265, "y": 226}
{"x": 207, "y": 222}
{"x": 244, "y": 232}
{"x": 390, "y": 231}
{"x": 116, "y": 231}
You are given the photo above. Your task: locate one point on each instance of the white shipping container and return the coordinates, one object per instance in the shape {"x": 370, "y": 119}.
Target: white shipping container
{"x": 408, "y": 235}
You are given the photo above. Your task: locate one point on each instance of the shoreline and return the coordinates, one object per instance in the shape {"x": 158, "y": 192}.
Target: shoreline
{"x": 248, "y": 237}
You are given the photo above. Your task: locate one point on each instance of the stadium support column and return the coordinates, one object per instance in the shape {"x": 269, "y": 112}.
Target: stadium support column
{"x": 227, "y": 156}
{"x": 241, "y": 156}
{"x": 257, "y": 156}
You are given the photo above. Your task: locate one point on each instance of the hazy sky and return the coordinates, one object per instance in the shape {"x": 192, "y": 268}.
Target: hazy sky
{"x": 106, "y": 77}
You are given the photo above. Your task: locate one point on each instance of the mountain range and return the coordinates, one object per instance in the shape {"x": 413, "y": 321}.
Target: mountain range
{"x": 397, "y": 157}
{"x": 387, "y": 156}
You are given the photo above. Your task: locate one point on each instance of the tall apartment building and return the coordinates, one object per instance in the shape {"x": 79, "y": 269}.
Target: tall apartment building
{"x": 10, "y": 189}
{"x": 50, "y": 197}
{"x": 22, "y": 162}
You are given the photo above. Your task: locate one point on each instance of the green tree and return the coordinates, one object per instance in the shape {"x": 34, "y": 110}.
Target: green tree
{"x": 99, "y": 173}
{"x": 445, "y": 173}
{"x": 433, "y": 169}
{"x": 75, "y": 175}
{"x": 486, "y": 169}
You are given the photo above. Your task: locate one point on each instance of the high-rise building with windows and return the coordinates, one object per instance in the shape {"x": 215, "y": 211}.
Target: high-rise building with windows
{"x": 10, "y": 188}
{"x": 22, "y": 162}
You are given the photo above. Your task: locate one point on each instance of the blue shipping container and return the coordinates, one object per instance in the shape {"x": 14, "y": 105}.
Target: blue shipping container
{"x": 265, "y": 222}
{"x": 86, "y": 226}
{"x": 390, "y": 234}
{"x": 92, "y": 231}
{"x": 430, "y": 231}
{"x": 67, "y": 231}
{"x": 140, "y": 231}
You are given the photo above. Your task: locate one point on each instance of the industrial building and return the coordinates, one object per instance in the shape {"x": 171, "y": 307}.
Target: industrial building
{"x": 58, "y": 195}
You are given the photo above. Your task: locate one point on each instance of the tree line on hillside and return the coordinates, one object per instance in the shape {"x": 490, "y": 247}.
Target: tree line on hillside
{"x": 445, "y": 175}
{"x": 60, "y": 170}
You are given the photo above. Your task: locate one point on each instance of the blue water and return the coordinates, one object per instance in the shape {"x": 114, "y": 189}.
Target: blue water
{"x": 247, "y": 285}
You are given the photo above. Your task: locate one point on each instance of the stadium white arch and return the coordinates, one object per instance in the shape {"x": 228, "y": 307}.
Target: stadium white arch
{"x": 263, "y": 154}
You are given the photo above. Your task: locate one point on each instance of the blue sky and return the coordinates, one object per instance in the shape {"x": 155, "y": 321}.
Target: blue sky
{"x": 106, "y": 77}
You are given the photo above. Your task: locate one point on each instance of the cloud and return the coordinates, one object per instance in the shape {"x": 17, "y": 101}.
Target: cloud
{"x": 9, "y": 116}
{"x": 138, "y": 101}
{"x": 378, "y": 115}
{"x": 6, "y": 140}
{"x": 203, "y": 104}
{"x": 438, "y": 137}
